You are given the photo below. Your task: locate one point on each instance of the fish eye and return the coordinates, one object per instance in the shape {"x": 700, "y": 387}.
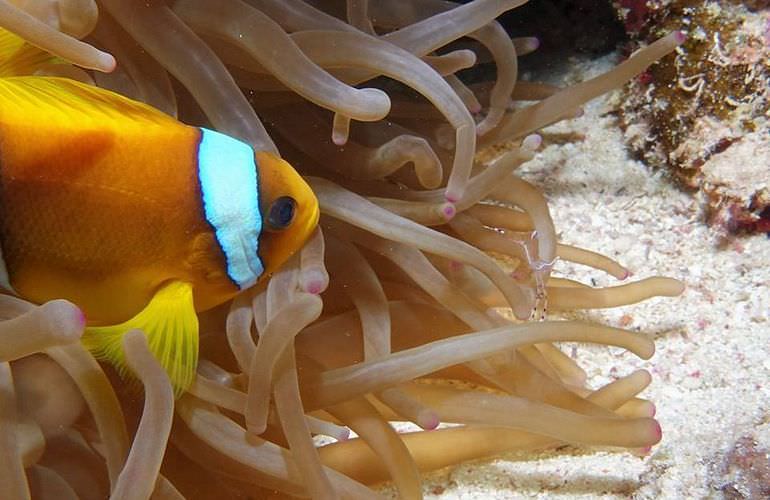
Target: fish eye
{"x": 281, "y": 213}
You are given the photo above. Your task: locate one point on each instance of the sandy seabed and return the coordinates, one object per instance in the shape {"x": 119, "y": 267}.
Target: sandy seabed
{"x": 711, "y": 371}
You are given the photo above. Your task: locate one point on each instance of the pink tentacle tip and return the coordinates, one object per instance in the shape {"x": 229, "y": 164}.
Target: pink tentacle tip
{"x": 455, "y": 266}
{"x": 625, "y": 275}
{"x": 339, "y": 140}
{"x": 314, "y": 287}
{"x": 80, "y": 317}
{"x": 657, "y": 431}
{"x": 106, "y": 63}
{"x": 532, "y": 141}
{"x": 653, "y": 410}
{"x": 449, "y": 211}
{"x": 679, "y": 36}
{"x": 451, "y": 197}
{"x": 344, "y": 435}
{"x": 428, "y": 420}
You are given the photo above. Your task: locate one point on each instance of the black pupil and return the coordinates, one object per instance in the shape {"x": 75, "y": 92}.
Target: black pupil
{"x": 282, "y": 212}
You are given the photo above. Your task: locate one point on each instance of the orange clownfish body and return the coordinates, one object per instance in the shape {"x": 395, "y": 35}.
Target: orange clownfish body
{"x": 135, "y": 217}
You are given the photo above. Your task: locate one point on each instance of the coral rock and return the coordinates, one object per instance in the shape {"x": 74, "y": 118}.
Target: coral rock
{"x": 704, "y": 111}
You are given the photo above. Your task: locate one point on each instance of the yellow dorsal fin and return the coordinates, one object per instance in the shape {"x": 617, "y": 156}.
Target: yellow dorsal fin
{"x": 171, "y": 326}
{"x": 18, "y": 58}
{"x": 46, "y": 102}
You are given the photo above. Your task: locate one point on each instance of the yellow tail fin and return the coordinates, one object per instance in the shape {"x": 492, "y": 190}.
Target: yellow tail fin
{"x": 19, "y": 58}
{"x": 171, "y": 326}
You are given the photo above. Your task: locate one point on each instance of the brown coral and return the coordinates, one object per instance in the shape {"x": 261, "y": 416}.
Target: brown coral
{"x": 704, "y": 111}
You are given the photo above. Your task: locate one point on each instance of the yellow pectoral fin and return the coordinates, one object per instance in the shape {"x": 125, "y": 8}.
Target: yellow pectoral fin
{"x": 171, "y": 326}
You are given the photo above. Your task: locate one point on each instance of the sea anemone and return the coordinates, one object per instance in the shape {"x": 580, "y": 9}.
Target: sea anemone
{"x": 395, "y": 310}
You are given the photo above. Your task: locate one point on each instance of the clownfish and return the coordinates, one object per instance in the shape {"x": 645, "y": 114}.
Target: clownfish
{"x": 139, "y": 219}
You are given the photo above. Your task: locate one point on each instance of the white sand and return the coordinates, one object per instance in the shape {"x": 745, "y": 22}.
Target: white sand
{"x": 711, "y": 372}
